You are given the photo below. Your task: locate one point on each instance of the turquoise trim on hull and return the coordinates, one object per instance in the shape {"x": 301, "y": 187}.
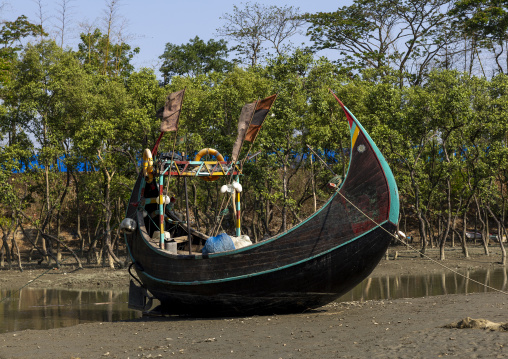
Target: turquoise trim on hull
{"x": 393, "y": 215}
{"x": 226, "y": 253}
{"x": 352, "y": 132}
{"x": 393, "y": 218}
{"x": 213, "y": 255}
{"x": 263, "y": 272}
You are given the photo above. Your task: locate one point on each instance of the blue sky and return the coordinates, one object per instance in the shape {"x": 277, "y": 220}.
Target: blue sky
{"x": 150, "y": 24}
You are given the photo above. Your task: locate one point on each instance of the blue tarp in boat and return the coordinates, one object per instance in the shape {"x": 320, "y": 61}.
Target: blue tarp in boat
{"x": 220, "y": 243}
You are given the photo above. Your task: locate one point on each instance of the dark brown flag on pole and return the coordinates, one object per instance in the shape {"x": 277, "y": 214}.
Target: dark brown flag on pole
{"x": 243, "y": 125}
{"x": 250, "y": 122}
{"x": 262, "y": 109}
{"x": 170, "y": 113}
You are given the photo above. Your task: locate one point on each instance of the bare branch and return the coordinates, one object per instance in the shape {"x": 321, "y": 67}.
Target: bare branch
{"x": 64, "y": 19}
{"x": 255, "y": 24}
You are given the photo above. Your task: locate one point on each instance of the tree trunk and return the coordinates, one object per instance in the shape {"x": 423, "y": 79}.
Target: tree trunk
{"x": 114, "y": 243}
{"x": 267, "y": 218}
{"x": 423, "y": 235}
{"x": 59, "y": 213}
{"x": 93, "y": 242}
{"x": 421, "y": 222}
{"x": 463, "y": 238}
{"x": 429, "y": 231}
{"x": 46, "y": 245}
{"x": 48, "y": 206}
{"x": 33, "y": 243}
{"x": 454, "y": 222}
{"x": 2, "y": 254}
{"x": 15, "y": 245}
{"x": 484, "y": 240}
{"x": 78, "y": 215}
{"x": 5, "y": 251}
{"x": 64, "y": 245}
{"x": 107, "y": 217}
{"x": 448, "y": 220}
{"x": 313, "y": 184}
{"x": 107, "y": 220}
{"x": 283, "y": 226}
{"x": 503, "y": 233}
{"x": 499, "y": 236}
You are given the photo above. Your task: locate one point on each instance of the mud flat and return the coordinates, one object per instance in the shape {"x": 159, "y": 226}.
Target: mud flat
{"x": 402, "y": 328}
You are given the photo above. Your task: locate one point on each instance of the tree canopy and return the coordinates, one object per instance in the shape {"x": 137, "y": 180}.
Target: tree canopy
{"x": 427, "y": 83}
{"x": 195, "y": 58}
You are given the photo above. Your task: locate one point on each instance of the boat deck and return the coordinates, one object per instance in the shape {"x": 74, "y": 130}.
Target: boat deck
{"x": 182, "y": 241}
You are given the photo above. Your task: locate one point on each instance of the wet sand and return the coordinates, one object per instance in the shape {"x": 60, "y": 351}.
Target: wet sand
{"x": 402, "y": 328}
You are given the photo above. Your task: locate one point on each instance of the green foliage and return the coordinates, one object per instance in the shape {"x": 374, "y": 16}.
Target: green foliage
{"x": 100, "y": 55}
{"x": 194, "y": 58}
{"x": 11, "y": 34}
{"x": 482, "y": 18}
{"x": 442, "y": 131}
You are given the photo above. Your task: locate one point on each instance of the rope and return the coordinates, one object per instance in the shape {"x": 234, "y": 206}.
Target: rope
{"x": 229, "y": 181}
{"x": 233, "y": 163}
{"x": 216, "y": 230}
{"x": 149, "y": 216}
{"x": 400, "y": 240}
{"x": 154, "y": 150}
{"x": 416, "y": 250}
{"x": 352, "y": 204}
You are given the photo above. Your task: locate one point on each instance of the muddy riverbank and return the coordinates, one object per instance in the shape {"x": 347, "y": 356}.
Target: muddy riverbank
{"x": 402, "y": 328}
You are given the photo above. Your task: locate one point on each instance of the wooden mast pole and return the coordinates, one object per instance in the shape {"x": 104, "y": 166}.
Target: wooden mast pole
{"x": 189, "y": 237}
{"x": 161, "y": 206}
{"x": 238, "y": 216}
{"x": 188, "y": 216}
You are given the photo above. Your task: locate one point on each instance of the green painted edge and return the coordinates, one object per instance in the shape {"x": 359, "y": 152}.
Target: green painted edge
{"x": 394, "y": 200}
{"x": 239, "y": 250}
{"x": 141, "y": 185}
{"x": 263, "y": 272}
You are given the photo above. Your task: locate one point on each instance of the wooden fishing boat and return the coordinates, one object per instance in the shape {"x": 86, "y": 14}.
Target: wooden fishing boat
{"x": 306, "y": 267}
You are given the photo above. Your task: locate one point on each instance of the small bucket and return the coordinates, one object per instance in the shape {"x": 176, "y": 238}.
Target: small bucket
{"x": 170, "y": 246}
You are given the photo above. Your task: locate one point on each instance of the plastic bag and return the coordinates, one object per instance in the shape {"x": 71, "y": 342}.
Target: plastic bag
{"x": 220, "y": 243}
{"x": 242, "y": 241}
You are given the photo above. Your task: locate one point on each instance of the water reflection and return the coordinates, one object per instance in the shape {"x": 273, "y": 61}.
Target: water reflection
{"x": 393, "y": 287}
{"x": 53, "y": 308}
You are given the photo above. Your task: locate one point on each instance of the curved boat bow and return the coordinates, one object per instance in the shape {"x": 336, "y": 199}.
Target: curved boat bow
{"x": 306, "y": 267}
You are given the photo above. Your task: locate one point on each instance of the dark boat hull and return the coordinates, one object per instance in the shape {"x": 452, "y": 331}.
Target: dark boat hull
{"x": 298, "y": 288}
{"x": 306, "y": 267}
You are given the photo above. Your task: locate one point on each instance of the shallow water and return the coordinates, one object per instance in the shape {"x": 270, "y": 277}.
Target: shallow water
{"x": 51, "y": 308}
{"x": 393, "y": 287}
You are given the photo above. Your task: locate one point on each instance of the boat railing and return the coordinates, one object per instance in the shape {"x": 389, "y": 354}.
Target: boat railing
{"x": 200, "y": 168}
